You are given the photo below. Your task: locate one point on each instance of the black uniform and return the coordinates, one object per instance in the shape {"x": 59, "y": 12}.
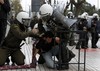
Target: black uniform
{"x": 94, "y": 31}
{"x": 4, "y": 10}
{"x": 83, "y": 37}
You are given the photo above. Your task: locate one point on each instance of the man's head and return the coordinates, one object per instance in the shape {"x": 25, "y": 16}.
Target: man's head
{"x": 23, "y": 18}
{"x": 48, "y": 36}
{"x": 95, "y": 16}
{"x": 45, "y": 11}
{"x": 70, "y": 14}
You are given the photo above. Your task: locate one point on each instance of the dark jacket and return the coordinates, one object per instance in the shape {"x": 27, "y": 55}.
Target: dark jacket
{"x": 4, "y": 9}
{"x": 82, "y": 24}
{"x": 94, "y": 24}
{"x": 43, "y": 45}
{"x": 98, "y": 27}
{"x": 16, "y": 35}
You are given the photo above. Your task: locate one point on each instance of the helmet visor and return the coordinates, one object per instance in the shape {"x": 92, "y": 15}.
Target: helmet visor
{"x": 26, "y": 21}
{"x": 45, "y": 18}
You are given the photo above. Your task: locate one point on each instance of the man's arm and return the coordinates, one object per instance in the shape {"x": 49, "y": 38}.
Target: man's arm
{"x": 22, "y": 34}
{"x": 5, "y": 5}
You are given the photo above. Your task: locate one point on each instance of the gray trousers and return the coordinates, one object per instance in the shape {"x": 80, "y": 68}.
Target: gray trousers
{"x": 48, "y": 56}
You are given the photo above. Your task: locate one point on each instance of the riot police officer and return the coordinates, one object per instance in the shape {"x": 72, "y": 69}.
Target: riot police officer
{"x": 83, "y": 35}
{"x": 46, "y": 43}
{"x": 94, "y": 33}
{"x": 71, "y": 34}
{"x": 17, "y": 33}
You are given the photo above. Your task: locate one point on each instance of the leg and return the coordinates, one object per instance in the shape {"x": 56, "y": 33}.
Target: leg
{"x": 3, "y": 56}
{"x": 3, "y": 25}
{"x": 79, "y": 42}
{"x": 48, "y": 56}
{"x": 72, "y": 42}
{"x": 41, "y": 59}
{"x": 94, "y": 40}
{"x": 48, "y": 59}
{"x": 12, "y": 60}
{"x": 85, "y": 41}
{"x": 7, "y": 61}
{"x": 92, "y": 34}
{"x": 34, "y": 60}
{"x": 18, "y": 57}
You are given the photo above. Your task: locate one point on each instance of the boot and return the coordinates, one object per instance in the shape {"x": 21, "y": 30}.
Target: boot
{"x": 71, "y": 55}
{"x": 62, "y": 66}
{"x": 7, "y": 61}
{"x": 41, "y": 60}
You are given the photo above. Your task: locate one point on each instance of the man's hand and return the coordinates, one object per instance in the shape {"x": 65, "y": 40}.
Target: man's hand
{"x": 57, "y": 40}
{"x": 2, "y": 1}
{"x": 98, "y": 35}
{"x": 84, "y": 29}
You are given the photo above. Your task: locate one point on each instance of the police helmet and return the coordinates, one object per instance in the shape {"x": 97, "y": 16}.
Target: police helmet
{"x": 95, "y": 15}
{"x": 22, "y": 15}
{"x": 45, "y": 10}
{"x": 84, "y": 15}
{"x": 70, "y": 14}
